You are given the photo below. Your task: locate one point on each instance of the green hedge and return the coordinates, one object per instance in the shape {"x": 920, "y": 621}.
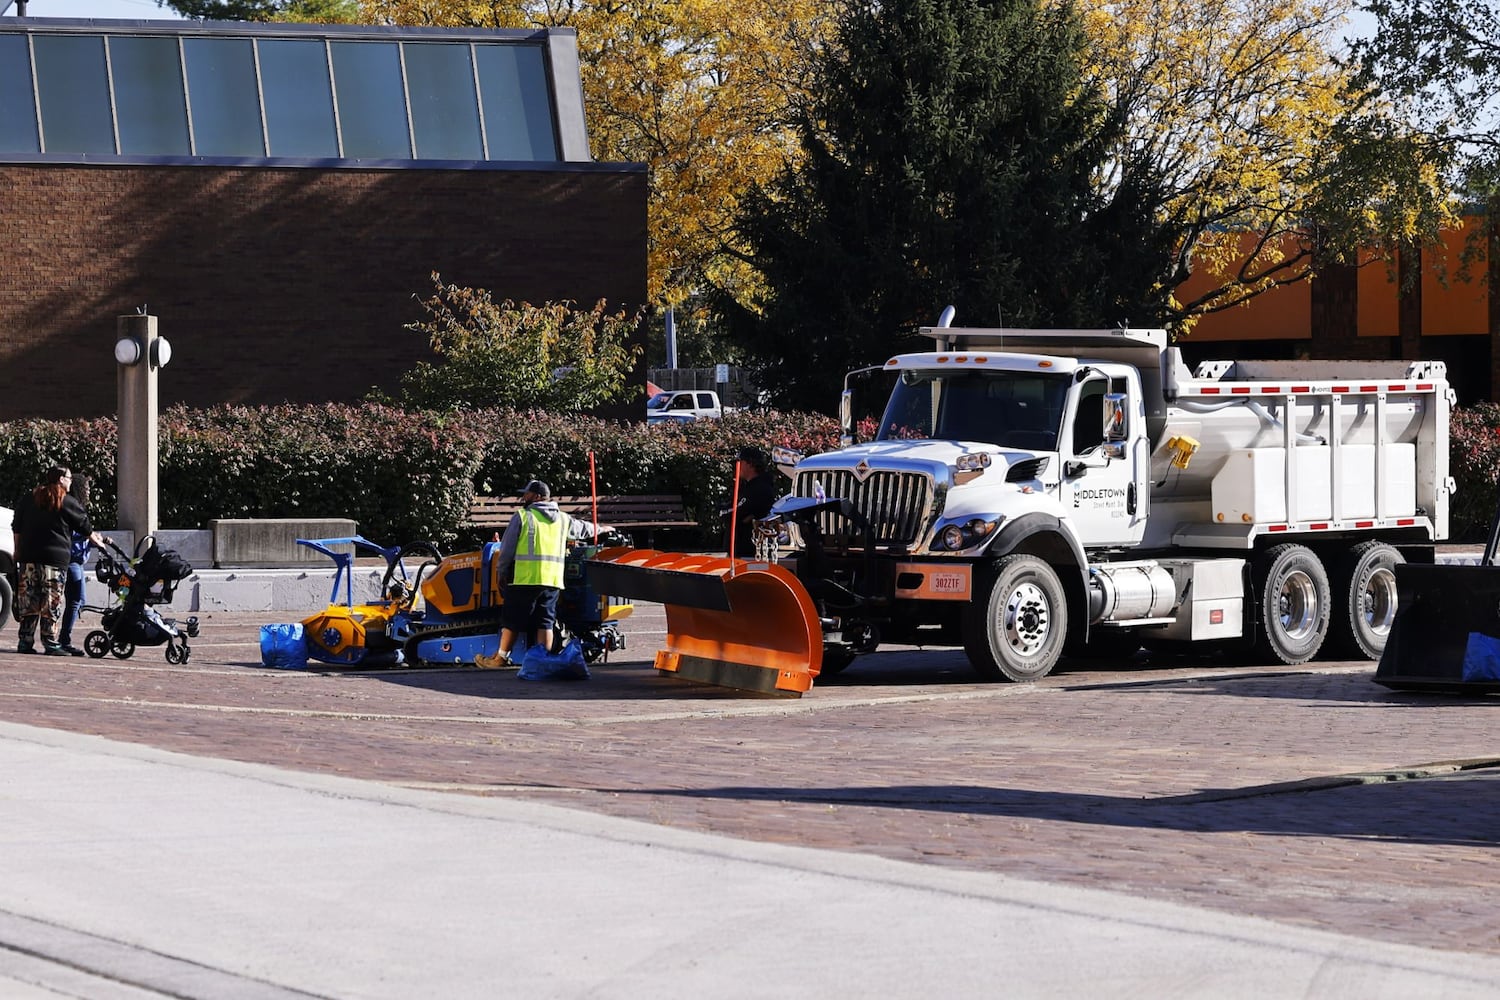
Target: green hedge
{"x": 402, "y": 475}
{"x": 406, "y": 476}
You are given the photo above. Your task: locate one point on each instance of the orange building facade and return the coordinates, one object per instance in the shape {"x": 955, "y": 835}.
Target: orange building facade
{"x": 1447, "y": 314}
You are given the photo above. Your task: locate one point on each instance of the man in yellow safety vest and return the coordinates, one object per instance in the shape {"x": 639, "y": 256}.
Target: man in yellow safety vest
{"x": 532, "y": 554}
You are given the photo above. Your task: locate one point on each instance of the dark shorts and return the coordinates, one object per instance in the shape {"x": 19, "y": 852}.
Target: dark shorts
{"x": 528, "y": 608}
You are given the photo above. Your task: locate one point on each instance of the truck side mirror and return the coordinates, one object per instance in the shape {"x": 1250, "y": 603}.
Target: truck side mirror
{"x": 1116, "y": 418}
{"x": 846, "y": 418}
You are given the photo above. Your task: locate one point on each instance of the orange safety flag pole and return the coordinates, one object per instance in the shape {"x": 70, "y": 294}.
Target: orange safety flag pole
{"x": 734, "y": 514}
{"x": 594, "y": 496}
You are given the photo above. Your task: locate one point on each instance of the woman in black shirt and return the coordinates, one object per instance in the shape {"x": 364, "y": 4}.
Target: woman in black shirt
{"x": 44, "y": 524}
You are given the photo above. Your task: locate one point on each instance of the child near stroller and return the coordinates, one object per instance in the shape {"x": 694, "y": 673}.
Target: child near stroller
{"x": 137, "y": 585}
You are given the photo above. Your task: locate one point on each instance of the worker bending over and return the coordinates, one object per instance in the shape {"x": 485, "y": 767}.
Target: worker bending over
{"x": 532, "y": 555}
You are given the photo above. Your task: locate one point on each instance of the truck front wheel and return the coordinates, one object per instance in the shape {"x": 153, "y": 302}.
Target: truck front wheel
{"x": 1295, "y": 600}
{"x": 1016, "y": 633}
{"x": 7, "y": 600}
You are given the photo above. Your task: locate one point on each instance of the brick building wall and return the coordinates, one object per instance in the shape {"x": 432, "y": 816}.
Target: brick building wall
{"x": 284, "y": 284}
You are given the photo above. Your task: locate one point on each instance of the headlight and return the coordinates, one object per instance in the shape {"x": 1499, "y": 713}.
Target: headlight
{"x": 972, "y": 461}
{"x": 957, "y": 537}
{"x": 979, "y": 527}
{"x": 785, "y": 456}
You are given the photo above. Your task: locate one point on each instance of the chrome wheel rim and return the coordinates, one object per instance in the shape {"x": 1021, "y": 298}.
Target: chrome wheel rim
{"x": 1378, "y": 601}
{"x": 1028, "y": 620}
{"x": 1297, "y": 606}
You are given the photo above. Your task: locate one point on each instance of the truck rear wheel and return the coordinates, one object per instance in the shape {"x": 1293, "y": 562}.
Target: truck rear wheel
{"x": 7, "y": 600}
{"x": 1365, "y": 584}
{"x": 1294, "y": 601}
{"x": 1016, "y": 633}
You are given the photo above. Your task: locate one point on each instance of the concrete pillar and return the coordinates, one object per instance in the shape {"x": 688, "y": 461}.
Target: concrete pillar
{"x": 136, "y": 464}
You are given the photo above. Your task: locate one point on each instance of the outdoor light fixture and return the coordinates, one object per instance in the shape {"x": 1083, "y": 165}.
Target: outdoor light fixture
{"x": 128, "y": 350}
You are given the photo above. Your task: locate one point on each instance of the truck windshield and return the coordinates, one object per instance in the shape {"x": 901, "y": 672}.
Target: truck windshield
{"x": 659, "y": 401}
{"x": 1010, "y": 409}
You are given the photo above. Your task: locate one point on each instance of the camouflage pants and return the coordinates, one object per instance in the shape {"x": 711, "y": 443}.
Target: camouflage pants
{"x": 40, "y": 598}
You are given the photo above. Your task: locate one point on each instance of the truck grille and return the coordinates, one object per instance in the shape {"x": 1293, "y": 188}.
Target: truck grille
{"x": 896, "y": 504}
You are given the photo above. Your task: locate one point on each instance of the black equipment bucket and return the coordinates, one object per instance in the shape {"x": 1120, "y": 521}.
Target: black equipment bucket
{"x": 1446, "y": 636}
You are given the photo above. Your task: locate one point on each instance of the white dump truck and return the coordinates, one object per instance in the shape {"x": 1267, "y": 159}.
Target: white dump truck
{"x": 1028, "y": 491}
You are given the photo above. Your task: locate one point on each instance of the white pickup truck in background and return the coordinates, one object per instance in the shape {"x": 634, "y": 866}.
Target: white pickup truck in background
{"x": 683, "y": 404}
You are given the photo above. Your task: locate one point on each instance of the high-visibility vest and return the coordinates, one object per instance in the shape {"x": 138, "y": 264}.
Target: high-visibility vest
{"x": 541, "y": 549}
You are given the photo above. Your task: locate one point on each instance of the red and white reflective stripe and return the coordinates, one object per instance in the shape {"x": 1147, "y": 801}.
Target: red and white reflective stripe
{"x": 1245, "y": 389}
{"x": 1399, "y": 522}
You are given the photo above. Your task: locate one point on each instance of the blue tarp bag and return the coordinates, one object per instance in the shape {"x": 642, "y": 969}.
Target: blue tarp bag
{"x": 567, "y": 664}
{"x": 283, "y": 646}
{"x": 1482, "y": 658}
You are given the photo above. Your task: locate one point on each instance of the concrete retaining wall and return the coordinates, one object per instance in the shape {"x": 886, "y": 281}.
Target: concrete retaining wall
{"x": 272, "y": 542}
{"x": 286, "y": 577}
{"x": 297, "y": 593}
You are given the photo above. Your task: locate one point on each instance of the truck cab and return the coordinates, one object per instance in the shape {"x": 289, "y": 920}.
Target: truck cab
{"x": 973, "y": 441}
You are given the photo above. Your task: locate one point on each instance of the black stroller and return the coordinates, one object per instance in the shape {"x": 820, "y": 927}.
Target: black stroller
{"x": 136, "y": 585}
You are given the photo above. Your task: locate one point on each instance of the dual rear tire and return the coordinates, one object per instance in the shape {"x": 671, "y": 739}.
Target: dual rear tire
{"x": 1299, "y": 607}
{"x": 1293, "y": 603}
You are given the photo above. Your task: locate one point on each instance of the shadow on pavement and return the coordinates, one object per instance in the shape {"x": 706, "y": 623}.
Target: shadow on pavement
{"x": 624, "y": 682}
{"x": 1346, "y": 688}
{"x": 1456, "y": 810}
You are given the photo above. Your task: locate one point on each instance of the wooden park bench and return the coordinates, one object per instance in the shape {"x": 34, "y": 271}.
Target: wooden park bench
{"x": 630, "y": 514}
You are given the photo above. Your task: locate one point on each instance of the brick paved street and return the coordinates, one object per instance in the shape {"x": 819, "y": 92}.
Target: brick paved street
{"x": 1307, "y": 795}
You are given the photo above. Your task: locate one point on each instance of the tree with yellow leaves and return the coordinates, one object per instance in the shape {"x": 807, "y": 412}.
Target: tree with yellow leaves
{"x": 1262, "y": 137}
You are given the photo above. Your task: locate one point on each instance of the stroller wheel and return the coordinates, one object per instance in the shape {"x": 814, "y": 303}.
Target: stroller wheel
{"x": 96, "y": 644}
{"x": 192, "y": 628}
{"x": 122, "y": 649}
{"x": 177, "y": 654}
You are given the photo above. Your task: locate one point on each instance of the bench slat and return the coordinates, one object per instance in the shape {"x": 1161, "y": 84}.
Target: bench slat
{"x": 641, "y": 511}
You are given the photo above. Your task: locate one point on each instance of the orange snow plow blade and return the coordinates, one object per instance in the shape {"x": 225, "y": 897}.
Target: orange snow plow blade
{"x": 730, "y": 622}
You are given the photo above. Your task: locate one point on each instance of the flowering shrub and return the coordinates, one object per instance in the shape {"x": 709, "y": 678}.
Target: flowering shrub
{"x": 1474, "y": 461}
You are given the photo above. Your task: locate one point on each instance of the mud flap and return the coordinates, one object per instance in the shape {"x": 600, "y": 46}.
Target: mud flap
{"x": 1446, "y": 635}
{"x": 730, "y": 622}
